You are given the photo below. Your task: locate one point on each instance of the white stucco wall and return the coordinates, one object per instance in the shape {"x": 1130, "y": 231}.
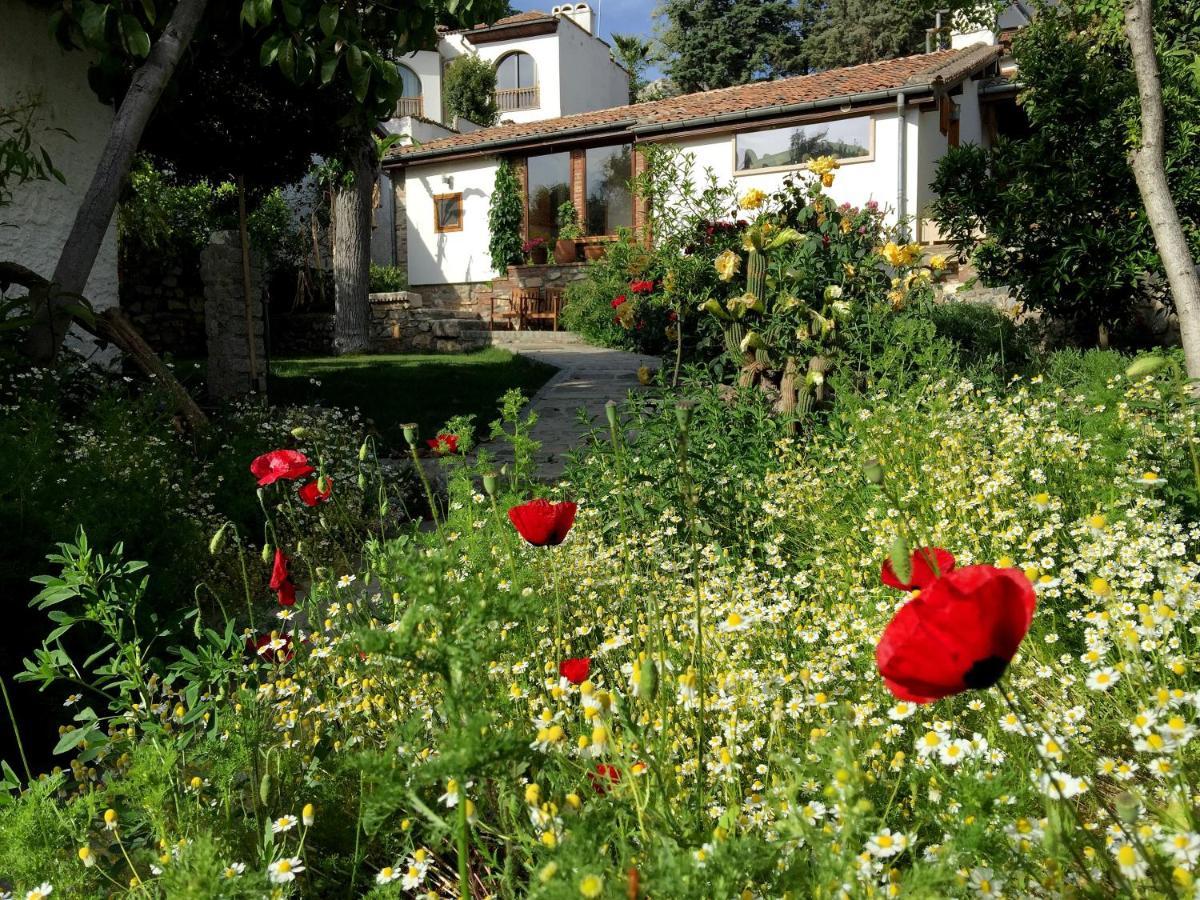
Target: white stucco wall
{"x": 458, "y": 256}
{"x": 427, "y": 66}
{"x": 590, "y": 79}
{"x": 855, "y": 183}
{"x": 32, "y": 64}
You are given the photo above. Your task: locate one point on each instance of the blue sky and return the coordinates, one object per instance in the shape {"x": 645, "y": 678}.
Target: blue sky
{"x": 621, "y": 16}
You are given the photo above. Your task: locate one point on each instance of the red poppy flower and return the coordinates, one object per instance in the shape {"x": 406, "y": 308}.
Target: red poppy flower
{"x": 922, "y": 572}
{"x": 604, "y": 778}
{"x": 311, "y": 493}
{"x": 288, "y": 465}
{"x": 959, "y": 634}
{"x": 261, "y": 648}
{"x": 618, "y": 300}
{"x": 642, "y": 287}
{"x": 542, "y": 523}
{"x": 281, "y": 581}
{"x": 575, "y": 670}
{"x": 443, "y": 444}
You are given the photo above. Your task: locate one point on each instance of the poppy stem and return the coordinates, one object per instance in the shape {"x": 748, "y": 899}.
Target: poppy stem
{"x": 12, "y": 718}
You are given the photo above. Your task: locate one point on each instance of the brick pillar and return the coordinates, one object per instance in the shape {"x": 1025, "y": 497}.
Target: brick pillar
{"x": 579, "y": 187}
{"x": 400, "y": 219}
{"x": 641, "y": 205}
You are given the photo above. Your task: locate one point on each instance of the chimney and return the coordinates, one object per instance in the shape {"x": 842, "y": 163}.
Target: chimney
{"x": 579, "y": 13}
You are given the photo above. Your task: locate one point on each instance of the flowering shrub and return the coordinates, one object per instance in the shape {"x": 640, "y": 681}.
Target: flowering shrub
{"x": 618, "y": 698}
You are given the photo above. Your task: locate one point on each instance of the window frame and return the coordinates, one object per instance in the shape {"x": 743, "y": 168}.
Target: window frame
{"x": 516, "y": 54}
{"x": 417, "y": 78}
{"x": 583, "y": 176}
{"x": 438, "y": 226}
{"x": 842, "y": 160}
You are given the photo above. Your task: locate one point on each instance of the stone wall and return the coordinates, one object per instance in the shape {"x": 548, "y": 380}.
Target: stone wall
{"x": 490, "y": 300}
{"x": 166, "y": 303}
{"x": 401, "y": 322}
{"x": 231, "y": 369}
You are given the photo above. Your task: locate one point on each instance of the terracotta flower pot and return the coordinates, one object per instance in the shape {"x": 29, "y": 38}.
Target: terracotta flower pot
{"x": 594, "y": 251}
{"x": 540, "y": 254}
{"x": 564, "y": 252}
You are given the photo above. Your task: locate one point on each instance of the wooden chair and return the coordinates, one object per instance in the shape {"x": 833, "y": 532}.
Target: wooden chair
{"x": 537, "y": 305}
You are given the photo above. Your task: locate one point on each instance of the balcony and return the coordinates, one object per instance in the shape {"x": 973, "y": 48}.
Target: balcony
{"x": 410, "y": 106}
{"x": 518, "y": 98}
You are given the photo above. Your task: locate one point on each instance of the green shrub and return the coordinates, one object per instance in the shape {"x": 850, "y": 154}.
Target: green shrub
{"x": 506, "y": 212}
{"x": 386, "y": 279}
{"x": 469, "y": 90}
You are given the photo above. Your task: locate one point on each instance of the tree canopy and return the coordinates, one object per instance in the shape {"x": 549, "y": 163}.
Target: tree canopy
{"x": 469, "y": 90}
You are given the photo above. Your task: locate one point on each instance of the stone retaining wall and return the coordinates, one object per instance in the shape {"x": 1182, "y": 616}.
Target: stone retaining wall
{"x": 489, "y": 300}
{"x": 401, "y": 322}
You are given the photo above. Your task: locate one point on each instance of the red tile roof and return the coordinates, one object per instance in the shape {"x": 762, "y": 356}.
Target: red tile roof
{"x": 921, "y": 72}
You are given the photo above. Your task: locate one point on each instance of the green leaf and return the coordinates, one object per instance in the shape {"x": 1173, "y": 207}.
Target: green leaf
{"x": 292, "y": 14}
{"x": 71, "y": 739}
{"x": 250, "y": 13}
{"x": 328, "y": 68}
{"x": 149, "y": 10}
{"x": 263, "y": 10}
{"x": 354, "y": 62}
{"x": 901, "y": 559}
{"x": 328, "y": 18}
{"x": 270, "y": 49}
{"x": 134, "y": 37}
{"x": 93, "y": 22}
{"x": 287, "y": 60}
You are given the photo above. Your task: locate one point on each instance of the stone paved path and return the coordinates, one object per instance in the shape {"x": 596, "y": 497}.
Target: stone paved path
{"x": 587, "y": 378}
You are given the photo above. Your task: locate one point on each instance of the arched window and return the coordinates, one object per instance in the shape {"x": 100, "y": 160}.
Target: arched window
{"x": 410, "y": 102}
{"x": 516, "y": 82}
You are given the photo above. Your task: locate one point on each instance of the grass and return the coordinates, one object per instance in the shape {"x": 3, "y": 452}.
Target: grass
{"x": 393, "y": 389}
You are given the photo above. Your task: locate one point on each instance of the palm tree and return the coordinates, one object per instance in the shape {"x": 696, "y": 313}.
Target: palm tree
{"x": 632, "y": 52}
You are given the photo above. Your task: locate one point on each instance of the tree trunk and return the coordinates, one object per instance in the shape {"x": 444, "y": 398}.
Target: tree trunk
{"x": 244, "y": 237}
{"x": 51, "y": 316}
{"x": 1149, "y": 169}
{"x": 352, "y": 250}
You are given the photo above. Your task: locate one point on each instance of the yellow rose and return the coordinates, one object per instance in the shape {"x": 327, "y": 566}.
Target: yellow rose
{"x": 893, "y": 253}
{"x": 937, "y": 262}
{"x": 727, "y": 265}
{"x": 823, "y": 166}
{"x": 752, "y": 199}
{"x": 827, "y": 179}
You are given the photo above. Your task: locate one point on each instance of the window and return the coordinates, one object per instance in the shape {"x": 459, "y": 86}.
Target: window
{"x": 609, "y": 199}
{"x": 516, "y": 82}
{"x": 549, "y": 179}
{"x": 410, "y": 102}
{"x": 793, "y": 145}
{"x": 447, "y": 213}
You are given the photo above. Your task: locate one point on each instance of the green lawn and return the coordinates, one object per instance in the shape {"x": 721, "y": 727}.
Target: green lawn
{"x": 393, "y": 389}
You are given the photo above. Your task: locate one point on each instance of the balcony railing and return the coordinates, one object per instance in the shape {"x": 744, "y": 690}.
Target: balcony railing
{"x": 410, "y": 106}
{"x": 517, "y": 98}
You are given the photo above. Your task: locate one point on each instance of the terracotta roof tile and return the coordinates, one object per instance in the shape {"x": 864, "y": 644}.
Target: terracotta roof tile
{"x": 917, "y": 71}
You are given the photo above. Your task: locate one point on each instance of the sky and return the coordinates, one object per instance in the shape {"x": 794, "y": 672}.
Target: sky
{"x": 621, "y": 16}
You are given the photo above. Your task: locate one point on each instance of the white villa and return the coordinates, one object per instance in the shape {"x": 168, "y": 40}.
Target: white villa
{"x": 548, "y": 65}
{"x": 889, "y": 122}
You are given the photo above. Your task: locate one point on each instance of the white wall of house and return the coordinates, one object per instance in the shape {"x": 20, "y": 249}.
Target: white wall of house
{"x": 590, "y": 79}
{"x": 454, "y": 257}
{"x": 544, "y": 50}
{"x": 427, "y": 66}
{"x": 36, "y": 224}
{"x": 856, "y": 182}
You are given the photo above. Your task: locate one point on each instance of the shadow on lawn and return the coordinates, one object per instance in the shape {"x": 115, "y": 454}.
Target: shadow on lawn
{"x": 391, "y": 390}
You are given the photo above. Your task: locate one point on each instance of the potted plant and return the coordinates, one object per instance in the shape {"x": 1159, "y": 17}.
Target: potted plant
{"x": 568, "y": 233}
{"x": 535, "y": 251}
{"x": 594, "y": 250}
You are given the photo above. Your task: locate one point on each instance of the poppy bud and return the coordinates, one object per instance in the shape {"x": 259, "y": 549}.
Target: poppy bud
{"x": 489, "y": 483}
{"x": 267, "y": 553}
{"x": 362, "y": 482}
{"x": 1145, "y": 366}
{"x": 299, "y": 432}
{"x": 873, "y": 470}
{"x": 901, "y": 561}
{"x": 323, "y": 484}
{"x": 610, "y": 412}
{"x": 410, "y": 433}
{"x": 683, "y": 414}
{"x": 648, "y": 682}
{"x": 362, "y": 451}
{"x": 383, "y": 508}
{"x": 1128, "y": 807}
{"x": 218, "y": 540}
{"x": 264, "y": 789}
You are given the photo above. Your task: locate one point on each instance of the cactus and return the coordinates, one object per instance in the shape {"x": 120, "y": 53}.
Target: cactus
{"x": 756, "y": 274}
{"x": 787, "y": 387}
